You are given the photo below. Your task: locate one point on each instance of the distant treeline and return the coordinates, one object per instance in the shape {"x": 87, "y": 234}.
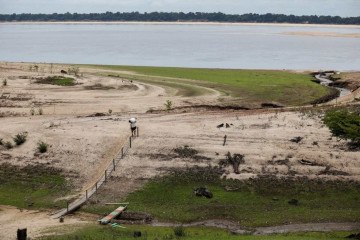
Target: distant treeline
{"x": 180, "y": 16}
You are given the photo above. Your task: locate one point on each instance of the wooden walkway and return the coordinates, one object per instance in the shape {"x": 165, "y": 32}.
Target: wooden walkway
{"x": 73, "y": 206}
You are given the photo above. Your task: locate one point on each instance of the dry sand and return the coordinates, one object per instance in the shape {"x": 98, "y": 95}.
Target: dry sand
{"x": 37, "y": 223}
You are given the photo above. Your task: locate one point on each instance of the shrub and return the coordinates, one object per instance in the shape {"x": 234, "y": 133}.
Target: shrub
{"x": 74, "y": 70}
{"x": 1, "y": 141}
{"x": 8, "y": 145}
{"x": 40, "y": 111}
{"x": 235, "y": 160}
{"x": 186, "y": 151}
{"x": 42, "y": 147}
{"x": 20, "y": 138}
{"x": 168, "y": 105}
{"x": 4, "y": 83}
{"x": 32, "y": 111}
{"x": 344, "y": 124}
{"x": 110, "y": 111}
{"x": 179, "y": 231}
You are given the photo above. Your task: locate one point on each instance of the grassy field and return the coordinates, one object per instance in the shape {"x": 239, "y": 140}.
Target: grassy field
{"x": 259, "y": 202}
{"x": 31, "y": 187}
{"x": 97, "y": 232}
{"x": 286, "y": 87}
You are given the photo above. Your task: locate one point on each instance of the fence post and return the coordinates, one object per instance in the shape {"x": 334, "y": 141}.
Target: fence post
{"x": 130, "y": 142}
{"x": 122, "y": 152}
{"x": 86, "y": 194}
{"x": 137, "y": 131}
{"x": 114, "y": 164}
{"x": 105, "y": 175}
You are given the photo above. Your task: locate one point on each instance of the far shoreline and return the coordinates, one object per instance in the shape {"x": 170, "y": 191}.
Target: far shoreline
{"x": 181, "y": 23}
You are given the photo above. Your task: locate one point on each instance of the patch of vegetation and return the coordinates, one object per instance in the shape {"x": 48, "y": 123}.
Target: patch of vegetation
{"x": 168, "y": 105}
{"x": 284, "y": 87}
{"x": 4, "y": 82}
{"x": 32, "y": 186}
{"x": 20, "y": 138}
{"x": 74, "y": 70}
{"x": 344, "y": 123}
{"x": 255, "y": 202}
{"x": 234, "y": 160}
{"x": 186, "y": 151}
{"x": 98, "y": 86}
{"x": 57, "y": 80}
{"x": 96, "y": 232}
{"x": 42, "y": 147}
{"x": 179, "y": 231}
{"x": 8, "y": 145}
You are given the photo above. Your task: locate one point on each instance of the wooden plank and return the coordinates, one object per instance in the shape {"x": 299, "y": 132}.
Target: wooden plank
{"x": 112, "y": 215}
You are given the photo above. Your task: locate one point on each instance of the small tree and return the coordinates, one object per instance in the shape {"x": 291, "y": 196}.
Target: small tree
{"x": 344, "y": 124}
{"x": 168, "y": 105}
{"x": 234, "y": 160}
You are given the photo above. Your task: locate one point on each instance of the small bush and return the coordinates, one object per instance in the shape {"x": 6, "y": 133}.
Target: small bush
{"x": 40, "y": 111}
{"x": 8, "y": 145}
{"x": 186, "y": 151}
{"x": 110, "y": 111}
{"x": 74, "y": 70}
{"x": 20, "y": 138}
{"x": 1, "y": 142}
{"x": 344, "y": 124}
{"x": 42, "y": 147}
{"x": 32, "y": 111}
{"x": 4, "y": 83}
{"x": 235, "y": 160}
{"x": 179, "y": 231}
{"x": 168, "y": 105}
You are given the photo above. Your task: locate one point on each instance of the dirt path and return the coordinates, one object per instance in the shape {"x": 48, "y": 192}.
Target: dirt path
{"x": 236, "y": 228}
{"x": 37, "y": 223}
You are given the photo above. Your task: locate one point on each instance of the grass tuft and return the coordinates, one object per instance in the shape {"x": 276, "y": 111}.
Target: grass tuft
{"x": 20, "y": 138}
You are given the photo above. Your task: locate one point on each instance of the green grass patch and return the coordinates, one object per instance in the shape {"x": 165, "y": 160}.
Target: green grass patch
{"x": 285, "y": 87}
{"x": 32, "y": 187}
{"x": 57, "y": 80}
{"x": 96, "y": 232}
{"x": 257, "y": 202}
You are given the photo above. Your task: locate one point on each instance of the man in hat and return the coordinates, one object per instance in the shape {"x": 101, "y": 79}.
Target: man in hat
{"x": 132, "y": 122}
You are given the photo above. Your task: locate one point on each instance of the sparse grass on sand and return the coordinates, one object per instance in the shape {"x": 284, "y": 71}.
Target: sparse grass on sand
{"x": 258, "y": 202}
{"x": 32, "y": 187}
{"x": 96, "y": 232}
{"x": 285, "y": 87}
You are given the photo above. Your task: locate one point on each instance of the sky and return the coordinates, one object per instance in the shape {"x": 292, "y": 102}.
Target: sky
{"x": 344, "y": 8}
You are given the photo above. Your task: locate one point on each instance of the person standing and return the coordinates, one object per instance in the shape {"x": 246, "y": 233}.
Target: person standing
{"x": 132, "y": 122}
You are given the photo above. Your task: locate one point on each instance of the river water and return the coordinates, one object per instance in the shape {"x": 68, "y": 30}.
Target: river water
{"x": 184, "y": 45}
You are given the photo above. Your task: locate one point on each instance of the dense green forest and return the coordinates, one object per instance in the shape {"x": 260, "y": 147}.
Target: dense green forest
{"x": 180, "y": 16}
